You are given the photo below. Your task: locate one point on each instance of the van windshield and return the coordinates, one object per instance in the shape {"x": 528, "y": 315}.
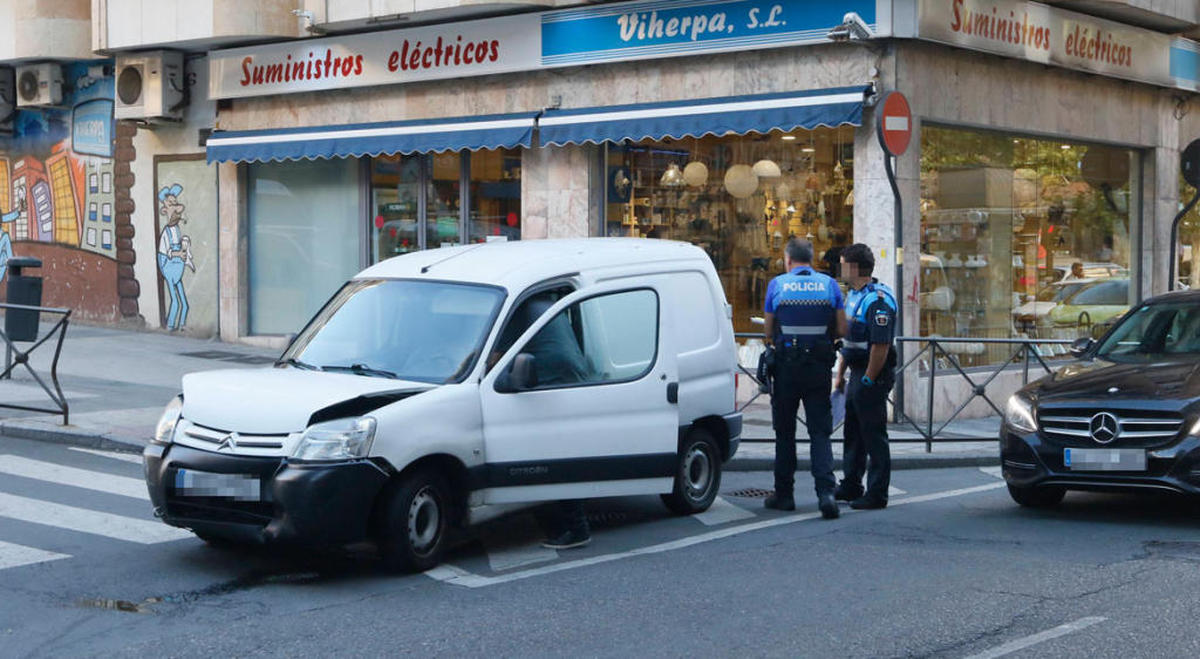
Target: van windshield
{"x": 411, "y": 330}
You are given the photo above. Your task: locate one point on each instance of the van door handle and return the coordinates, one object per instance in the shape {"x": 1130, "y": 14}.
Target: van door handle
{"x": 673, "y": 392}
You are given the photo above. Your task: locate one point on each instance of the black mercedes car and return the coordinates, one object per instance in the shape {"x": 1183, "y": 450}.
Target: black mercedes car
{"x": 1125, "y": 417}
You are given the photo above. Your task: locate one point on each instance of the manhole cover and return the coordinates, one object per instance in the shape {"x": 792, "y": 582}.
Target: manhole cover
{"x": 751, "y": 493}
{"x": 227, "y": 356}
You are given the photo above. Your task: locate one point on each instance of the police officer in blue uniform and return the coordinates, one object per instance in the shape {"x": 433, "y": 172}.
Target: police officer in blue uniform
{"x": 870, "y": 356}
{"x": 804, "y": 317}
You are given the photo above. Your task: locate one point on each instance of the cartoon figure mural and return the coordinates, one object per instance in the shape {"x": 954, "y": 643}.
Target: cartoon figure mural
{"x": 174, "y": 254}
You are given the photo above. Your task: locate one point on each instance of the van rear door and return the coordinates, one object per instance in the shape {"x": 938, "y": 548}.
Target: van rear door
{"x": 598, "y": 422}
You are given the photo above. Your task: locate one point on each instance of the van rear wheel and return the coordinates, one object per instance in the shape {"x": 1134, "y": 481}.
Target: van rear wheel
{"x": 414, "y": 520}
{"x": 697, "y": 474}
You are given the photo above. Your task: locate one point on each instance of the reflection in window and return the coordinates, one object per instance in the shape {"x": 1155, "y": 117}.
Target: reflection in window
{"x": 395, "y": 182}
{"x": 442, "y": 202}
{"x": 495, "y": 196}
{"x": 610, "y": 338}
{"x": 1007, "y": 221}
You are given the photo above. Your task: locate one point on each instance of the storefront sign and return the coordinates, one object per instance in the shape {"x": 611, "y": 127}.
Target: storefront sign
{"x": 640, "y": 30}
{"x": 452, "y": 50}
{"x": 1040, "y": 33}
{"x": 92, "y": 128}
{"x": 1185, "y": 64}
{"x": 526, "y": 42}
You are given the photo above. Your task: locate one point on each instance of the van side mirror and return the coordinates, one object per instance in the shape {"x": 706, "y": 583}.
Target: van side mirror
{"x": 523, "y": 375}
{"x": 1081, "y": 346}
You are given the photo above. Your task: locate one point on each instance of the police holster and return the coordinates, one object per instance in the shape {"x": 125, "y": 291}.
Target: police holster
{"x": 766, "y": 370}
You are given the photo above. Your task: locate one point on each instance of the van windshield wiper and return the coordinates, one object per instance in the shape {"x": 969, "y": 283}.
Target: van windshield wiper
{"x": 292, "y": 361}
{"x": 362, "y": 369}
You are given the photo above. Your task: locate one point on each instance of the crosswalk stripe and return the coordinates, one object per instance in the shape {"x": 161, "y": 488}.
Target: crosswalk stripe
{"x": 124, "y": 457}
{"x": 94, "y": 522}
{"x": 55, "y": 473}
{"x": 16, "y": 555}
{"x": 894, "y": 491}
{"x": 721, "y": 512}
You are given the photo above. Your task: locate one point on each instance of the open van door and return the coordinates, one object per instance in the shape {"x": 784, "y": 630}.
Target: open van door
{"x": 584, "y": 404}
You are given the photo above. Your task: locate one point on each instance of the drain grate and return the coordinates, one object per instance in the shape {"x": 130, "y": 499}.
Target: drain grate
{"x": 602, "y": 518}
{"x": 751, "y": 493}
{"x": 227, "y": 356}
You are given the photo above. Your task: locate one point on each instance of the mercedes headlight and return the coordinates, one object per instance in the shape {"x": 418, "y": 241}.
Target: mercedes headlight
{"x": 1019, "y": 415}
{"x": 342, "y": 439}
{"x": 164, "y": 432}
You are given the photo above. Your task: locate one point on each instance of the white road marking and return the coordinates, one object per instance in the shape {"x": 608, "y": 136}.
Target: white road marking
{"x": 992, "y": 471}
{"x": 16, "y": 555}
{"x": 519, "y": 545}
{"x": 94, "y": 522}
{"x": 459, "y": 577}
{"x": 124, "y": 457}
{"x": 1022, "y": 643}
{"x": 894, "y": 491}
{"x": 63, "y": 475}
{"x": 722, "y": 512}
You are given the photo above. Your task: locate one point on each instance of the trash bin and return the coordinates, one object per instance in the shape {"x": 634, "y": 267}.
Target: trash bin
{"x": 22, "y": 324}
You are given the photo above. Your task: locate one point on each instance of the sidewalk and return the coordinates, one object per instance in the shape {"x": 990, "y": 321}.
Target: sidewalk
{"x": 117, "y": 382}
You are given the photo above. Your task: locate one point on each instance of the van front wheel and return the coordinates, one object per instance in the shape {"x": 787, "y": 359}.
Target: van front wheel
{"x": 697, "y": 474}
{"x": 412, "y": 528}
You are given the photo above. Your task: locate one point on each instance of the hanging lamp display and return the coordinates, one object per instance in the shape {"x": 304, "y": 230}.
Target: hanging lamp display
{"x": 673, "y": 177}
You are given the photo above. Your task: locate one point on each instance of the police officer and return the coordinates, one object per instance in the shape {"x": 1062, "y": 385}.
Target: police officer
{"x": 869, "y": 354}
{"x": 804, "y": 316}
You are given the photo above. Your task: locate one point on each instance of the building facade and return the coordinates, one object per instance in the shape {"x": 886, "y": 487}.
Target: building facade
{"x": 1043, "y": 135}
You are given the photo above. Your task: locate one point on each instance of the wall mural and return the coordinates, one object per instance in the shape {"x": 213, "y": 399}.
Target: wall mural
{"x": 61, "y": 194}
{"x": 186, "y": 225}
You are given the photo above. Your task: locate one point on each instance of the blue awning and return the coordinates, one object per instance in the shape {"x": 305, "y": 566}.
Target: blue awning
{"x": 421, "y": 136}
{"x": 738, "y": 115}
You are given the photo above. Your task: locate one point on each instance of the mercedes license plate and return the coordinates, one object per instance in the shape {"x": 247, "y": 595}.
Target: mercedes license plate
{"x": 1104, "y": 459}
{"x": 242, "y": 487}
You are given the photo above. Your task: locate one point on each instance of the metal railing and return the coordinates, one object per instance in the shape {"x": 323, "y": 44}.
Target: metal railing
{"x": 15, "y": 357}
{"x": 1025, "y": 352}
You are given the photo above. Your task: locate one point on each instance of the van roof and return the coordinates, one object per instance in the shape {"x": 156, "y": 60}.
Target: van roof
{"x": 515, "y": 265}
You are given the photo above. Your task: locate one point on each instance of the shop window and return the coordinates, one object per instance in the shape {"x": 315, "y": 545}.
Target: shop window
{"x": 424, "y": 201}
{"x": 495, "y": 196}
{"x": 395, "y": 184}
{"x": 739, "y": 198}
{"x": 303, "y": 239}
{"x": 1023, "y": 237}
{"x": 443, "y": 223}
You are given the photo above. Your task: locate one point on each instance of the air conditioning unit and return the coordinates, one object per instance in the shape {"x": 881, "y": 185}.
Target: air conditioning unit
{"x": 150, "y": 85}
{"x": 8, "y": 97}
{"x": 39, "y": 85}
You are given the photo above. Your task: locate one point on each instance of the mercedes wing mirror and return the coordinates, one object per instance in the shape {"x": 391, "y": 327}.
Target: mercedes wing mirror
{"x": 1081, "y": 346}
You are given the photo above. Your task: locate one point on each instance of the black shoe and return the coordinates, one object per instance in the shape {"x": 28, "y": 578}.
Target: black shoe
{"x": 776, "y": 502}
{"x": 844, "y": 493}
{"x": 828, "y": 506}
{"x": 868, "y": 503}
{"x": 568, "y": 540}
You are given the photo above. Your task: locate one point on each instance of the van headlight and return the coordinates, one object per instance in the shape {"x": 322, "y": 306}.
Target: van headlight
{"x": 1019, "y": 414}
{"x": 164, "y": 432}
{"x": 341, "y": 439}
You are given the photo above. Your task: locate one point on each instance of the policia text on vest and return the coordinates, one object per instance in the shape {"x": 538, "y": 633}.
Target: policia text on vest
{"x": 805, "y": 316}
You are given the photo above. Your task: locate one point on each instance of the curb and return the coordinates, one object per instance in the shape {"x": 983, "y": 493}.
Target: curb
{"x": 71, "y": 436}
{"x": 898, "y": 463}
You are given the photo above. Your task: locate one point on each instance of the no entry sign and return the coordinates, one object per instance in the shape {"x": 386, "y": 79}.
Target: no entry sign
{"x": 894, "y": 123}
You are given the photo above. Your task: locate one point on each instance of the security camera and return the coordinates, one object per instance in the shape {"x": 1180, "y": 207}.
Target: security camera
{"x": 852, "y": 27}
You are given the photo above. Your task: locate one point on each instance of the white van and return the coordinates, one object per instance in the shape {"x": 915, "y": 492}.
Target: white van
{"x": 448, "y": 386}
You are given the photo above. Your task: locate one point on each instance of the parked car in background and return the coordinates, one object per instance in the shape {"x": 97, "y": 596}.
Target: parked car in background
{"x": 1096, "y": 304}
{"x": 1028, "y": 316}
{"x": 1122, "y": 419}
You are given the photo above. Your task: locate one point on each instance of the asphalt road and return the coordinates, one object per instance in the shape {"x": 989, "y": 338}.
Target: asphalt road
{"x": 951, "y": 569}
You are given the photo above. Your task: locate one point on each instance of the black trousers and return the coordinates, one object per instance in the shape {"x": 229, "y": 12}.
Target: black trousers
{"x": 866, "y": 435}
{"x": 808, "y": 382}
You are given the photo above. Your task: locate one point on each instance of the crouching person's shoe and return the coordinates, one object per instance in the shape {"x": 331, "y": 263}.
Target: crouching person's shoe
{"x": 568, "y": 540}
{"x": 777, "y": 502}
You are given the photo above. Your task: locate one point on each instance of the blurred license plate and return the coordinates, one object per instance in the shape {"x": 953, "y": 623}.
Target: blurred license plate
{"x": 191, "y": 483}
{"x": 1104, "y": 459}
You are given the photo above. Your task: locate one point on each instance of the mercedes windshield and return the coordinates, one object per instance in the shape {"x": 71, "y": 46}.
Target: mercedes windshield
{"x": 1154, "y": 332}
